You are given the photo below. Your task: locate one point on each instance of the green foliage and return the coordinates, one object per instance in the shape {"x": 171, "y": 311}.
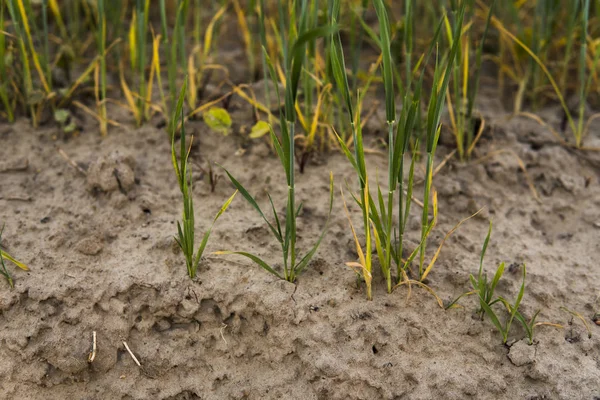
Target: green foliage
{"x": 186, "y": 229}
{"x": 218, "y": 119}
{"x": 286, "y": 234}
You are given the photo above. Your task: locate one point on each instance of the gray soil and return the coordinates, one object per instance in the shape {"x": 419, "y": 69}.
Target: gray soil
{"x": 102, "y": 256}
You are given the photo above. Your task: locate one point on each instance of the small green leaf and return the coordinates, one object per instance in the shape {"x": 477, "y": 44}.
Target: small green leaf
{"x": 218, "y": 119}
{"x": 72, "y": 127}
{"x": 61, "y": 115}
{"x": 260, "y": 129}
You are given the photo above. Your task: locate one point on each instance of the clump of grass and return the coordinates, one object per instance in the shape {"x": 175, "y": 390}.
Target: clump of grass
{"x": 512, "y": 308}
{"x": 338, "y": 70}
{"x": 378, "y": 213}
{"x": 5, "y": 93}
{"x": 587, "y": 69}
{"x": 465, "y": 85}
{"x": 485, "y": 291}
{"x": 286, "y": 233}
{"x": 3, "y": 270}
{"x": 186, "y": 229}
{"x": 33, "y": 98}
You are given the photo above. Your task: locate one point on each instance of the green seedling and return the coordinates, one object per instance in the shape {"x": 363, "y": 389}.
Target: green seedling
{"x": 64, "y": 118}
{"x": 286, "y": 233}
{"x": 433, "y": 126}
{"x": 481, "y": 286}
{"x": 338, "y": 70}
{"x": 465, "y": 85}
{"x": 186, "y": 229}
{"x": 586, "y": 72}
{"x": 3, "y": 270}
{"x": 512, "y": 308}
{"x": 5, "y": 94}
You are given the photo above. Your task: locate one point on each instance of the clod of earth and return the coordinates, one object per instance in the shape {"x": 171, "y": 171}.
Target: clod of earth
{"x": 111, "y": 173}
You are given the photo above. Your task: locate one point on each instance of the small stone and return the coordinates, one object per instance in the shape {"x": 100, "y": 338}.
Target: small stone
{"x": 111, "y": 173}
{"x": 20, "y": 164}
{"x": 162, "y": 325}
{"x": 90, "y": 246}
{"x": 145, "y": 236}
{"x": 522, "y": 353}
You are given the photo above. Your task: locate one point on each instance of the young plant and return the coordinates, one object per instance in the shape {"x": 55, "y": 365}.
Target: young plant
{"x": 285, "y": 148}
{"x": 512, "y": 308}
{"x": 338, "y": 70}
{"x": 481, "y": 286}
{"x": 20, "y": 13}
{"x": 185, "y": 229}
{"x": 461, "y": 97}
{"x": 3, "y": 270}
{"x": 138, "y": 31}
{"x": 485, "y": 292}
{"x": 441, "y": 78}
{"x": 580, "y": 128}
{"x": 5, "y": 94}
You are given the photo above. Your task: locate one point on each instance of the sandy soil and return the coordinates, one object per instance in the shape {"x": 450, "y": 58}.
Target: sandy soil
{"x": 102, "y": 256}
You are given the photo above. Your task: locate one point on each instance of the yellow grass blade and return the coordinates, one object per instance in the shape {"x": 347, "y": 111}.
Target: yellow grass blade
{"x": 17, "y": 263}
{"x": 465, "y": 66}
{"x": 208, "y": 35}
{"x": 129, "y": 97}
{"x": 498, "y": 24}
{"x": 34, "y": 56}
{"x": 192, "y": 92}
{"x": 362, "y": 264}
{"x": 581, "y": 317}
{"x": 313, "y": 127}
{"x": 301, "y": 118}
{"x": 55, "y": 10}
{"x": 246, "y": 36}
{"x": 439, "y": 249}
{"x": 424, "y": 286}
{"x": 133, "y": 40}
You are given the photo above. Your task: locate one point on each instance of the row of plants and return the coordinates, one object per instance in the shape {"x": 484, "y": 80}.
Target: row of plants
{"x": 80, "y": 56}
{"x": 315, "y": 100}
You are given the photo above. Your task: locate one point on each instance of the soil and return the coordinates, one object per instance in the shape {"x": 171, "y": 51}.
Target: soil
{"x": 100, "y": 245}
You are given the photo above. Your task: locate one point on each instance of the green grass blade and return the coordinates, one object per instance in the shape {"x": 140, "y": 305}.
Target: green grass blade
{"x": 252, "y": 202}
{"x": 254, "y": 258}
{"x": 483, "y": 250}
{"x": 496, "y": 279}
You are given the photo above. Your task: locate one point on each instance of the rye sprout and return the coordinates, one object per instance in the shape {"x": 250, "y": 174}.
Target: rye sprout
{"x": 461, "y": 97}
{"x": 4, "y": 82}
{"x": 338, "y": 70}
{"x": 286, "y": 235}
{"x": 512, "y": 308}
{"x": 185, "y": 230}
{"x": 441, "y": 78}
{"x": 584, "y": 83}
{"x": 480, "y": 285}
{"x": 101, "y": 37}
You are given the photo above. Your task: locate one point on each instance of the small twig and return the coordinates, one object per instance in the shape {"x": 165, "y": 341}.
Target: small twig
{"x": 131, "y": 354}
{"x": 223, "y": 327}
{"x": 70, "y": 161}
{"x": 92, "y": 355}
